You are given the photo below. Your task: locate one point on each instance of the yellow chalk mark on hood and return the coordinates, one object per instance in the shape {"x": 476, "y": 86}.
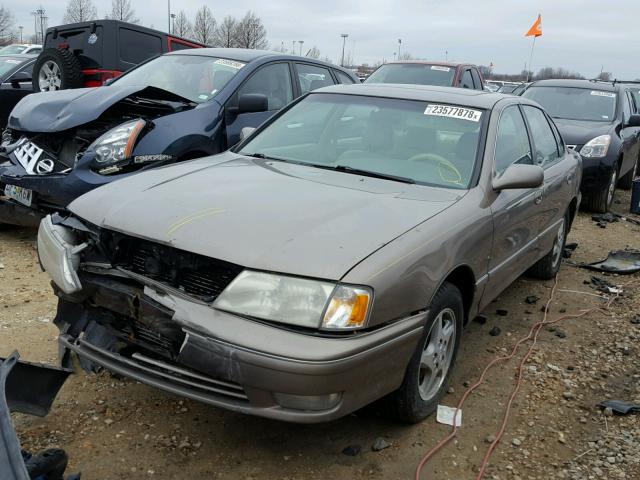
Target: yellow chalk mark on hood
{"x": 192, "y": 218}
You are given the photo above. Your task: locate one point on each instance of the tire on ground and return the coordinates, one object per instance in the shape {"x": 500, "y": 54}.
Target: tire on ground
{"x": 67, "y": 62}
{"x": 626, "y": 181}
{"x": 598, "y": 202}
{"x": 406, "y": 403}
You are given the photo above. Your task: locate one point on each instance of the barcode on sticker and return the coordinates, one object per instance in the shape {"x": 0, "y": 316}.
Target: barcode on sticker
{"x": 439, "y": 68}
{"x": 453, "y": 112}
{"x": 600, "y": 93}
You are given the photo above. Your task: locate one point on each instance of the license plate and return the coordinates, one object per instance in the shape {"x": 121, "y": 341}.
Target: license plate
{"x": 19, "y": 194}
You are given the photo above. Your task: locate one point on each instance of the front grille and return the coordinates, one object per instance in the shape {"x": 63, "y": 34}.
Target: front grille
{"x": 201, "y": 277}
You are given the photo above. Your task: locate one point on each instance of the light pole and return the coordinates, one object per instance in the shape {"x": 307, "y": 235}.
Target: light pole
{"x": 394, "y": 56}
{"x": 173, "y": 23}
{"x": 344, "y": 40}
{"x": 399, "y": 45}
{"x": 301, "y": 42}
{"x": 169, "y": 15}
{"x": 21, "y": 28}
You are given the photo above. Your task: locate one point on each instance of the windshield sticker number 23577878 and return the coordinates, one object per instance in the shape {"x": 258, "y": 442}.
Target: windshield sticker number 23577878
{"x": 454, "y": 112}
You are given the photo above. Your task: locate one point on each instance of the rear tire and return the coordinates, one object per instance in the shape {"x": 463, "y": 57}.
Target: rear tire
{"x": 600, "y": 202}
{"x": 430, "y": 367}
{"x": 548, "y": 266}
{"x": 56, "y": 69}
{"x": 626, "y": 181}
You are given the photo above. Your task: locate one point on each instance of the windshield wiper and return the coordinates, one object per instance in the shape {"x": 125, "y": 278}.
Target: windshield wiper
{"x": 365, "y": 173}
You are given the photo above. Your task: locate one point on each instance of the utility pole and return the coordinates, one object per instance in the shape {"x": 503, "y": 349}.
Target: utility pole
{"x": 399, "y": 45}
{"x": 301, "y": 42}
{"x": 173, "y": 23}
{"x": 21, "y": 28}
{"x": 344, "y": 40}
{"x": 293, "y": 47}
{"x": 169, "y": 15}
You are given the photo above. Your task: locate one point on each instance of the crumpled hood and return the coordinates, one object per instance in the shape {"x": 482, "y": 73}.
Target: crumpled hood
{"x": 48, "y": 112}
{"x": 577, "y": 132}
{"x": 265, "y": 215}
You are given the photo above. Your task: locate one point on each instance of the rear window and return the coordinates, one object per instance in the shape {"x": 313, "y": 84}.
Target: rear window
{"x": 85, "y": 45}
{"x": 136, "y": 47}
{"x": 414, "y": 74}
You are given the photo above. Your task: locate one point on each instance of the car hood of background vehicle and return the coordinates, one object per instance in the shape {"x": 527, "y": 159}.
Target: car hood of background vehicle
{"x": 579, "y": 132}
{"x": 264, "y": 215}
{"x": 48, "y": 112}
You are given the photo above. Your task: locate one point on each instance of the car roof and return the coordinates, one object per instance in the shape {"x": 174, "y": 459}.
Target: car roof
{"x": 427, "y": 62}
{"x": 573, "y": 83}
{"x": 247, "y": 55}
{"x": 428, "y": 93}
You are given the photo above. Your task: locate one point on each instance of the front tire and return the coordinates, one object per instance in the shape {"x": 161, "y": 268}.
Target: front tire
{"x": 430, "y": 367}
{"x": 600, "y": 202}
{"x": 548, "y": 266}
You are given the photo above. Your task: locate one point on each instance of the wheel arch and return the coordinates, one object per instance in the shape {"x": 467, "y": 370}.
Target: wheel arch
{"x": 463, "y": 278}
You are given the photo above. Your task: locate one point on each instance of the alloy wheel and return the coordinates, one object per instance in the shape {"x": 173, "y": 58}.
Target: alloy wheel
{"x": 437, "y": 354}
{"x": 558, "y": 244}
{"x": 50, "y": 77}
{"x": 611, "y": 189}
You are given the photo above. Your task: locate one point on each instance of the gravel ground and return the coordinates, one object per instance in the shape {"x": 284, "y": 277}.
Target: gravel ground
{"x": 115, "y": 428}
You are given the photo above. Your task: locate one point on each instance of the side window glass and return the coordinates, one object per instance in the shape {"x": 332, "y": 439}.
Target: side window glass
{"x": 512, "y": 141}
{"x": 466, "y": 81}
{"x": 311, "y": 77}
{"x": 626, "y": 107}
{"x": 633, "y": 100}
{"x": 556, "y": 133}
{"x": 343, "y": 77}
{"x": 546, "y": 147}
{"x": 476, "y": 80}
{"x": 136, "y": 47}
{"x": 273, "y": 81}
{"x": 635, "y": 95}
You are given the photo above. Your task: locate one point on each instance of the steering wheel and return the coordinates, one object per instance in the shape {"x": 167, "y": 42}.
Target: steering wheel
{"x": 439, "y": 162}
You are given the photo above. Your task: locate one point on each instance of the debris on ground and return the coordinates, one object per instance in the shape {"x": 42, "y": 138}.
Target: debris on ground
{"x": 445, "y": 415}
{"x": 619, "y": 261}
{"x": 501, "y": 312}
{"x": 480, "y": 319}
{"x": 495, "y": 331}
{"x": 602, "y": 285}
{"x": 531, "y": 299}
{"x": 380, "y": 444}
{"x": 620, "y": 407}
{"x": 602, "y": 219}
{"x": 352, "y": 450}
{"x": 569, "y": 248}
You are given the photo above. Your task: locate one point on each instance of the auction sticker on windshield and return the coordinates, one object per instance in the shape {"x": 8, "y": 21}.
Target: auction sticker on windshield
{"x": 439, "y": 68}
{"x": 600, "y": 93}
{"x": 19, "y": 194}
{"x": 453, "y": 112}
{"x": 230, "y": 63}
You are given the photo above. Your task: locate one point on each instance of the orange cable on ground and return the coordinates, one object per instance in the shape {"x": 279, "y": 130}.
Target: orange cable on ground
{"x": 533, "y": 334}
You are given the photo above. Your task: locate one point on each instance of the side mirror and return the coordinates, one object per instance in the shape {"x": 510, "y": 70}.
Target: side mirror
{"x": 252, "y": 103}
{"x": 245, "y": 132}
{"x": 634, "y": 121}
{"x": 519, "y": 176}
{"x": 18, "y": 77}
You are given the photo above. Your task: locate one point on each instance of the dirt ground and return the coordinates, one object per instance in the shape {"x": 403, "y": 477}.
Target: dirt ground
{"x": 120, "y": 429}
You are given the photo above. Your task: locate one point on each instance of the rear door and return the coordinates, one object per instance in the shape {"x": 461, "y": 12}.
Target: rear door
{"x": 311, "y": 77}
{"x": 272, "y": 80}
{"x": 516, "y": 213}
{"x": 558, "y": 172}
{"x": 630, "y": 135}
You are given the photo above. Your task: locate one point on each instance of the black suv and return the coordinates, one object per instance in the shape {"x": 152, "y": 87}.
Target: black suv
{"x": 90, "y": 53}
{"x": 179, "y": 106}
{"x": 601, "y": 121}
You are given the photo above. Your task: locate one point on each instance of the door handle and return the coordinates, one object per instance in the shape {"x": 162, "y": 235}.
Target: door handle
{"x": 537, "y": 199}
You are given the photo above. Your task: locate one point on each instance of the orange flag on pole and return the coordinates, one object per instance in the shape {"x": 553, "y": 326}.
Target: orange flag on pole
{"x": 536, "y": 28}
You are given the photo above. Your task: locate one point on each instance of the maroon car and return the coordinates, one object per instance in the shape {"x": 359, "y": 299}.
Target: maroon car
{"x": 419, "y": 72}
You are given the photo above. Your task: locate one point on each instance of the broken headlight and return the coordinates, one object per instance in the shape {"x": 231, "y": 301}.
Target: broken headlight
{"x": 296, "y": 301}
{"x": 117, "y": 144}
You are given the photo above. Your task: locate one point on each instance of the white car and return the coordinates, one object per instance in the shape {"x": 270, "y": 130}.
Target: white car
{"x": 18, "y": 48}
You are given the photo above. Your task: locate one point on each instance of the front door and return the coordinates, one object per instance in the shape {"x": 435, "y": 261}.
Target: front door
{"x": 516, "y": 213}
{"x": 272, "y": 80}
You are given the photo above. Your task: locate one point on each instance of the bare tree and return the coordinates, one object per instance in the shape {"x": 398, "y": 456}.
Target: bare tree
{"x": 204, "y": 26}
{"x": 251, "y": 32}
{"x": 227, "y": 33}
{"x": 6, "y": 24}
{"x": 605, "y": 76}
{"x": 80, "y": 11}
{"x": 182, "y": 26}
{"x": 314, "y": 52}
{"x": 122, "y": 10}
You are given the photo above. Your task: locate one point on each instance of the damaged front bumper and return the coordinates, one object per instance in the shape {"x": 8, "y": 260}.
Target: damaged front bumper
{"x": 166, "y": 337}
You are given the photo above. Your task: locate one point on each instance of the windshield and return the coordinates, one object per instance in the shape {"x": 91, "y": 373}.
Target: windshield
{"x": 8, "y": 64}
{"x": 413, "y": 141}
{"x": 413, "y": 73}
{"x": 12, "y": 49}
{"x": 196, "y": 78}
{"x": 575, "y": 103}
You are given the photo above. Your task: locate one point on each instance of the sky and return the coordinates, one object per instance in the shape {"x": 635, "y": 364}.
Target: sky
{"x": 580, "y": 35}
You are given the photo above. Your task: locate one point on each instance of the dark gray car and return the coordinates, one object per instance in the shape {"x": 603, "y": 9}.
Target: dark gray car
{"x": 332, "y": 259}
